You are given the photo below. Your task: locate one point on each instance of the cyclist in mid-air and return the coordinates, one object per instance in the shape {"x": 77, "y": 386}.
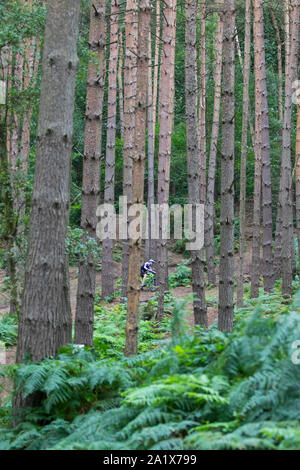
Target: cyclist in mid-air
{"x": 146, "y": 269}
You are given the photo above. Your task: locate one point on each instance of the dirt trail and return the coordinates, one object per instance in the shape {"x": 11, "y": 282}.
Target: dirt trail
{"x": 179, "y": 292}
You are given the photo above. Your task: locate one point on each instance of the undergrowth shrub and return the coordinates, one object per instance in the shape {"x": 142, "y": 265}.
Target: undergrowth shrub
{"x": 206, "y": 390}
{"x": 9, "y": 329}
{"x": 182, "y": 276}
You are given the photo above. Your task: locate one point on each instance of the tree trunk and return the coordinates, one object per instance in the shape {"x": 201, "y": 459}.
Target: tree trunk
{"x": 210, "y": 196}
{"x": 84, "y": 321}
{"x": 109, "y": 190}
{"x": 200, "y": 310}
{"x": 246, "y": 73}
{"x": 131, "y": 38}
{"x": 263, "y": 121}
{"x": 166, "y": 112}
{"x": 279, "y": 221}
{"x": 120, "y": 85}
{"x": 202, "y": 105}
{"x": 32, "y": 59}
{"x": 226, "y": 287}
{"x": 151, "y": 245}
{"x": 45, "y": 320}
{"x": 298, "y": 176}
{"x": 279, "y": 58}
{"x": 135, "y": 255}
{"x": 286, "y": 176}
{"x": 14, "y": 162}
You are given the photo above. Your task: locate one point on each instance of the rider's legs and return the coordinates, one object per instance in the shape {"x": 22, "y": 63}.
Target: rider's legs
{"x": 144, "y": 279}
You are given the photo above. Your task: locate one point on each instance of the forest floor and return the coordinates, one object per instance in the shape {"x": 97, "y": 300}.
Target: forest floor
{"x": 179, "y": 292}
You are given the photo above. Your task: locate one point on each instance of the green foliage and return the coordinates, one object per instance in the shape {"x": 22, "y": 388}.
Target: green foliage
{"x": 206, "y": 390}
{"x": 109, "y": 335}
{"x": 182, "y": 276}
{"x": 80, "y": 246}
{"x": 9, "y": 329}
{"x": 179, "y": 247}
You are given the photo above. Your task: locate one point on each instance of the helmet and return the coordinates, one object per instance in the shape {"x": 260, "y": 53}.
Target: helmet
{"x": 151, "y": 261}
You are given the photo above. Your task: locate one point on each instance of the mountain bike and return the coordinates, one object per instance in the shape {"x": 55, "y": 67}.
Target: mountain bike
{"x": 150, "y": 283}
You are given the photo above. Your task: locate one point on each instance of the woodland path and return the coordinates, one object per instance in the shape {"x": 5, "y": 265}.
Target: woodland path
{"x": 178, "y": 292}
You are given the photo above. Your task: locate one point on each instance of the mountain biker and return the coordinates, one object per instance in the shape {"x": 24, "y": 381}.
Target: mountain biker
{"x": 146, "y": 269}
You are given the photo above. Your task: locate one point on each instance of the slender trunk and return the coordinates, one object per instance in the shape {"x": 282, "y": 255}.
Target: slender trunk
{"x": 286, "y": 176}
{"x": 18, "y": 83}
{"x": 135, "y": 255}
{"x": 287, "y": 33}
{"x": 250, "y": 119}
{"x": 151, "y": 245}
{"x": 200, "y": 310}
{"x": 226, "y": 285}
{"x": 84, "y": 320}
{"x": 131, "y": 37}
{"x": 109, "y": 190}
{"x": 246, "y": 73}
{"x": 8, "y": 120}
{"x": 166, "y": 112}
{"x": 32, "y": 58}
{"x": 7, "y": 196}
{"x": 279, "y": 59}
{"x": 202, "y": 105}
{"x": 29, "y": 74}
{"x": 261, "y": 103}
{"x": 45, "y": 319}
{"x": 279, "y": 227}
{"x": 210, "y": 197}
{"x": 156, "y": 64}
{"x": 14, "y": 161}
{"x": 9, "y": 220}
{"x": 256, "y": 236}
{"x": 298, "y": 177}
{"x": 278, "y": 241}
{"x": 120, "y": 85}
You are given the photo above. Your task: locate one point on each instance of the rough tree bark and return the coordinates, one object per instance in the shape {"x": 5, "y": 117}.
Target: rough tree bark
{"x": 297, "y": 171}
{"x": 84, "y": 320}
{"x": 200, "y": 310}
{"x": 107, "y": 278}
{"x": 135, "y": 255}
{"x": 286, "y": 175}
{"x": 279, "y": 222}
{"x": 279, "y": 59}
{"x": 31, "y": 65}
{"x": 151, "y": 244}
{"x": 202, "y": 104}
{"x": 262, "y": 109}
{"x": 45, "y": 320}
{"x": 166, "y": 112}
{"x": 210, "y": 194}
{"x": 131, "y": 40}
{"x": 120, "y": 85}
{"x": 14, "y": 163}
{"x": 226, "y": 283}
{"x": 246, "y": 73}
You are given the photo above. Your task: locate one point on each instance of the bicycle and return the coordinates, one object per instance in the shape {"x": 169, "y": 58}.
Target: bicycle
{"x": 150, "y": 282}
